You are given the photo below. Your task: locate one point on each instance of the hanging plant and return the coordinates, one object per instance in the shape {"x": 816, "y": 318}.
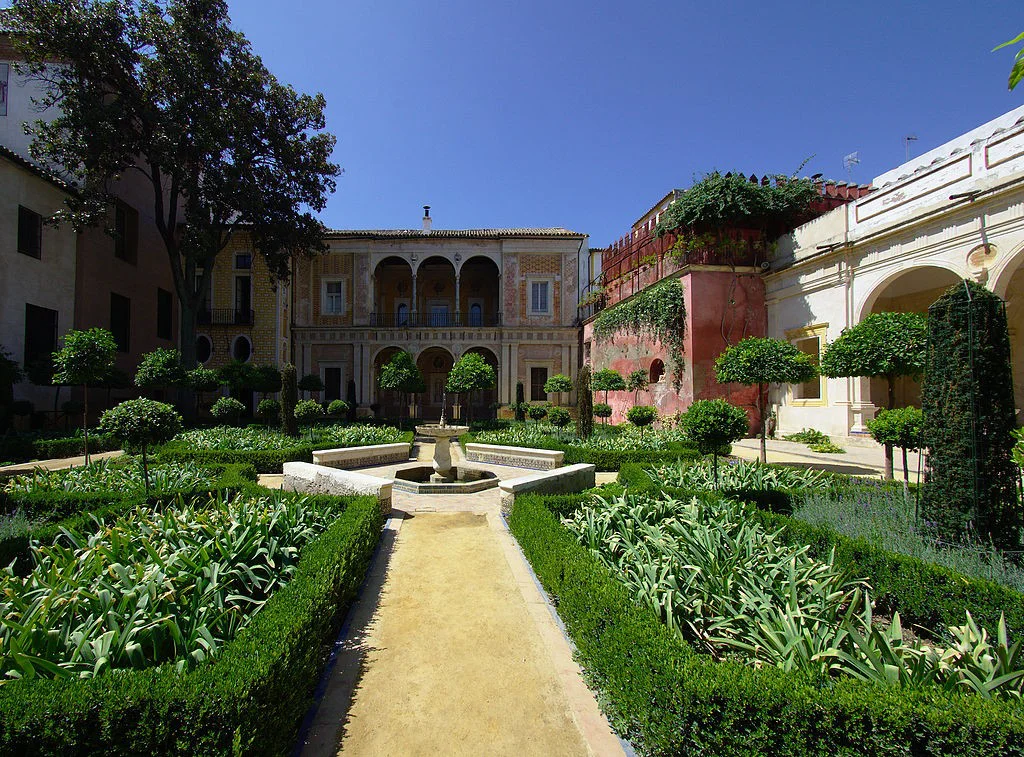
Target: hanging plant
{"x": 657, "y": 312}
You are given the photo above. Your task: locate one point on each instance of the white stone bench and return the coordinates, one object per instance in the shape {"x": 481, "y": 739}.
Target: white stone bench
{"x": 571, "y": 478}
{"x": 309, "y": 478}
{"x": 360, "y": 457}
{"x": 517, "y": 457}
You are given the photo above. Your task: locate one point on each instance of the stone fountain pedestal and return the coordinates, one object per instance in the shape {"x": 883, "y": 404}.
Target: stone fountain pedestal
{"x": 442, "y": 434}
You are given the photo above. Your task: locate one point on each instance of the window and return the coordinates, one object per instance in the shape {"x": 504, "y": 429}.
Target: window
{"x": 163, "y": 313}
{"x": 30, "y": 233}
{"x": 332, "y": 384}
{"x": 657, "y": 371}
{"x": 243, "y": 261}
{"x": 204, "y": 348}
{"x": 241, "y": 349}
{"x": 126, "y": 232}
{"x": 540, "y": 297}
{"x": 334, "y": 298}
{"x": 810, "y": 341}
{"x": 120, "y": 320}
{"x": 538, "y": 377}
{"x": 476, "y": 314}
{"x": 243, "y": 299}
{"x": 40, "y": 333}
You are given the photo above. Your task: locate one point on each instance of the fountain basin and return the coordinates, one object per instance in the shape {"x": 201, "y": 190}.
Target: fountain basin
{"x": 422, "y": 479}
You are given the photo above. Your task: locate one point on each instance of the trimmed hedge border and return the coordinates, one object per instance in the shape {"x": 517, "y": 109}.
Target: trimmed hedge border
{"x": 263, "y": 460}
{"x": 249, "y": 700}
{"x": 21, "y": 448}
{"x": 75, "y": 509}
{"x": 669, "y": 700}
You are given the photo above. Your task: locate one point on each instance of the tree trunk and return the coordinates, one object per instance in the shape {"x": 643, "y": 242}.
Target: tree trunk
{"x": 187, "y": 345}
{"x": 714, "y": 463}
{"x": 85, "y": 419}
{"x": 891, "y": 386}
{"x": 906, "y": 473}
{"x": 761, "y": 389}
{"x": 145, "y": 468}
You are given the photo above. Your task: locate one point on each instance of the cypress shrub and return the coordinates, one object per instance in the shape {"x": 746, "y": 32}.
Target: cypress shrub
{"x": 969, "y": 416}
{"x": 585, "y": 398}
{"x": 520, "y": 406}
{"x": 289, "y": 398}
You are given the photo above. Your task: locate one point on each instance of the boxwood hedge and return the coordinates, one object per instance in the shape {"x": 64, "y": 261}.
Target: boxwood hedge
{"x": 667, "y": 699}
{"x": 249, "y": 700}
{"x": 264, "y": 460}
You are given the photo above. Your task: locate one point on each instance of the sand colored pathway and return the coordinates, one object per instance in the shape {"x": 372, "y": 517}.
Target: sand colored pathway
{"x": 457, "y": 657}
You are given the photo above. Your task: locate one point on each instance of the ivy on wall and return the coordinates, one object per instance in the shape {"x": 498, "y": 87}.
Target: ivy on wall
{"x": 657, "y": 312}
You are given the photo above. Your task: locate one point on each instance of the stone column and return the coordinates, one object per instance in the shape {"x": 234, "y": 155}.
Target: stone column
{"x": 413, "y": 309}
{"x": 513, "y": 371}
{"x": 458, "y": 300}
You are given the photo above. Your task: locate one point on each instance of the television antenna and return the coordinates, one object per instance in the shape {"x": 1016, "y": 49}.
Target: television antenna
{"x": 906, "y": 143}
{"x": 849, "y": 161}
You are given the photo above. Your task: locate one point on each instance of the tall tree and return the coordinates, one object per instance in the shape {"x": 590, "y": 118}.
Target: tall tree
{"x": 167, "y": 88}
{"x": 883, "y": 345}
{"x": 760, "y": 361}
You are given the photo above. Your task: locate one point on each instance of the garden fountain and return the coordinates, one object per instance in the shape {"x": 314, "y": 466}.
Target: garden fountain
{"x": 442, "y": 477}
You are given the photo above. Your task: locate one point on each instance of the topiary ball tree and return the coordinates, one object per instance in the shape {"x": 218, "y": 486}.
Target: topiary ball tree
{"x": 289, "y": 398}
{"x": 711, "y": 424}
{"x": 641, "y": 416}
{"x": 266, "y": 379}
{"x": 337, "y": 408}
{"x": 883, "y": 345}
{"x": 602, "y": 410}
{"x": 559, "y": 417}
{"x": 401, "y": 374}
{"x": 470, "y": 373}
{"x": 202, "y": 380}
{"x": 161, "y": 369}
{"x": 557, "y": 384}
{"x": 519, "y": 406}
{"x": 967, "y": 398}
{"x": 760, "y": 361}
{"x": 309, "y": 412}
{"x": 227, "y": 409}
{"x": 86, "y": 359}
{"x": 607, "y": 380}
{"x": 140, "y": 423}
{"x": 269, "y": 410}
{"x": 584, "y": 404}
{"x": 636, "y": 382}
{"x": 312, "y": 383}
{"x": 537, "y": 412}
{"x": 901, "y": 427}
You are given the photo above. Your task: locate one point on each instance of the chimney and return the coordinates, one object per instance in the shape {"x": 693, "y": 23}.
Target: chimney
{"x": 426, "y": 218}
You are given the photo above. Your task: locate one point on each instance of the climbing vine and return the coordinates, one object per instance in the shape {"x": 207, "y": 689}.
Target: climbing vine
{"x": 657, "y": 312}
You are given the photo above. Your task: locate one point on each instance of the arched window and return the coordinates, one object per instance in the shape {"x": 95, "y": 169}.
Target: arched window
{"x": 204, "y": 348}
{"x": 476, "y": 314}
{"x": 657, "y": 371}
{"x": 241, "y": 349}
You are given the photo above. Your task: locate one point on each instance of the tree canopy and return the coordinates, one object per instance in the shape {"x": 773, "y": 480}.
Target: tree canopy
{"x": 168, "y": 89}
{"x": 160, "y": 369}
{"x": 1017, "y": 72}
{"x": 711, "y": 424}
{"x": 607, "y": 380}
{"x": 760, "y": 361}
{"x": 86, "y": 359}
{"x": 401, "y": 374}
{"x": 470, "y": 372}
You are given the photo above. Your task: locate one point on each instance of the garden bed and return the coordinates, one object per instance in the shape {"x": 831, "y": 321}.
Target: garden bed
{"x": 668, "y": 698}
{"x": 248, "y": 699}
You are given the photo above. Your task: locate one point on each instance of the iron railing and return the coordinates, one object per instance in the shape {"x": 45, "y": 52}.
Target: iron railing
{"x": 434, "y": 320}
{"x": 227, "y": 317}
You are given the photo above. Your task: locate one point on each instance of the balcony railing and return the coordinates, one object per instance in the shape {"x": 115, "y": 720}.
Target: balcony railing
{"x": 434, "y": 320}
{"x": 227, "y": 317}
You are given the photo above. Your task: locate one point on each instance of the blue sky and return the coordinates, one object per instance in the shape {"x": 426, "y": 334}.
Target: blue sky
{"x": 582, "y": 115}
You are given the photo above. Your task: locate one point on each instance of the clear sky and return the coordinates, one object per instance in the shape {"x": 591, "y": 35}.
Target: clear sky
{"x": 582, "y": 115}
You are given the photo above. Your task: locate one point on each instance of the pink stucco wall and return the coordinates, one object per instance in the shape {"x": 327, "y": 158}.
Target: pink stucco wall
{"x": 722, "y": 307}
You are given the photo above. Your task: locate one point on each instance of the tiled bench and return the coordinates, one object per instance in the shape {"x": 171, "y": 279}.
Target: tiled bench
{"x": 571, "y": 478}
{"x": 361, "y": 457}
{"x": 310, "y": 478}
{"x": 517, "y": 457}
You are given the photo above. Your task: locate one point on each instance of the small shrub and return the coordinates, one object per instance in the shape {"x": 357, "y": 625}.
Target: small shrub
{"x": 557, "y": 384}
{"x": 902, "y": 427}
{"x": 712, "y": 423}
{"x": 519, "y": 407}
{"x": 269, "y": 410}
{"x": 559, "y": 417}
{"x": 228, "y": 409}
{"x": 585, "y": 404}
{"x": 289, "y": 398}
{"x": 602, "y": 410}
{"x": 537, "y": 412}
{"x": 337, "y": 408}
{"x": 140, "y": 423}
{"x": 642, "y": 416}
{"x": 308, "y": 412}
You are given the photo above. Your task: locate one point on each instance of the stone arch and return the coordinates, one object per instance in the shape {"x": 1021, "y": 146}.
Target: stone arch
{"x": 479, "y": 296}
{"x": 484, "y": 402}
{"x": 435, "y": 303}
{"x": 911, "y": 290}
{"x": 392, "y": 292}
{"x": 1003, "y": 275}
{"x": 1008, "y": 283}
{"x": 390, "y": 404}
{"x": 434, "y": 362}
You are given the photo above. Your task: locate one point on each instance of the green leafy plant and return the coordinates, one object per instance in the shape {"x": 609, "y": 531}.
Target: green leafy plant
{"x": 140, "y": 423}
{"x": 901, "y": 428}
{"x": 161, "y": 369}
{"x": 815, "y": 440}
{"x": 760, "y": 361}
{"x": 608, "y": 380}
{"x": 642, "y": 416}
{"x": 559, "y": 417}
{"x": 557, "y": 384}
{"x": 266, "y": 379}
{"x": 311, "y": 382}
{"x": 636, "y": 382}
{"x": 470, "y": 373}
{"x": 537, "y": 412}
{"x": 738, "y": 475}
{"x": 337, "y": 408}
{"x": 884, "y": 345}
{"x": 520, "y": 405}
{"x": 86, "y": 358}
{"x": 228, "y": 409}
{"x": 584, "y": 404}
{"x": 309, "y": 412}
{"x": 657, "y": 312}
{"x": 269, "y": 411}
{"x": 967, "y": 398}
{"x": 1017, "y": 72}
{"x": 202, "y": 380}
{"x": 602, "y": 410}
{"x": 711, "y": 424}
{"x": 111, "y": 476}
{"x": 401, "y": 374}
